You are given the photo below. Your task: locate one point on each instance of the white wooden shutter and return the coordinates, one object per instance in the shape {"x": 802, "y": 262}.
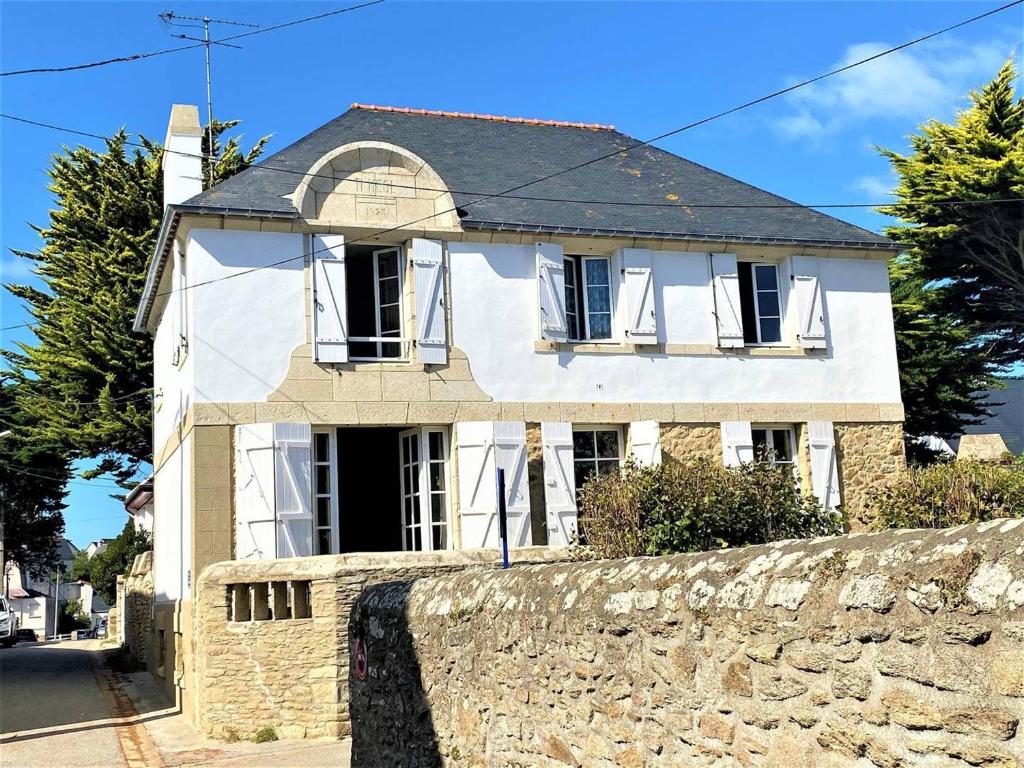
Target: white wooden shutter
{"x": 809, "y": 299}
{"x": 330, "y": 310}
{"x": 293, "y": 489}
{"x": 559, "y": 482}
{"x": 737, "y": 443}
{"x": 510, "y": 455}
{"x": 641, "y": 320}
{"x": 645, "y": 443}
{"x": 428, "y": 286}
{"x": 824, "y": 468}
{"x": 478, "y": 508}
{"x": 485, "y": 446}
{"x": 551, "y": 291}
{"x": 255, "y": 534}
{"x": 726, "y": 283}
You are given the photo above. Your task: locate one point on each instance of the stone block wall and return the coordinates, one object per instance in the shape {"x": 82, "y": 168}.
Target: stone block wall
{"x": 292, "y": 674}
{"x": 870, "y": 455}
{"x": 893, "y": 649}
{"x": 135, "y": 600}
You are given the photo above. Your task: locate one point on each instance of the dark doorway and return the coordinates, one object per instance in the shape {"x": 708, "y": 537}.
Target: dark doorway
{"x": 369, "y": 490}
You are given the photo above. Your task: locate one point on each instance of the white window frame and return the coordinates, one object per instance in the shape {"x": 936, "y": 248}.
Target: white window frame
{"x": 424, "y": 493}
{"x": 593, "y": 429}
{"x": 790, "y": 431}
{"x": 379, "y": 339}
{"x": 757, "y": 303}
{"x": 331, "y": 493}
{"x": 583, "y": 319}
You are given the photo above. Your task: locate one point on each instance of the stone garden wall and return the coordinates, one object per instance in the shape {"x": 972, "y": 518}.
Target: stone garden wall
{"x": 271, "y": 637}
{"x": 134, "y": 615}
{"x": 893, "y": 649}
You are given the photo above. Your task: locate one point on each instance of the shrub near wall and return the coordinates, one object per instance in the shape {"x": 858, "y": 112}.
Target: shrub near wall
{"x": 694, "y": 506}
{"x": 895, "y": 649}
{"x": 952, "y": 493}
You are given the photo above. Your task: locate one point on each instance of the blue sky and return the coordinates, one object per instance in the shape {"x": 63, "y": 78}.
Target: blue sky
{"x": 644, "y": 67}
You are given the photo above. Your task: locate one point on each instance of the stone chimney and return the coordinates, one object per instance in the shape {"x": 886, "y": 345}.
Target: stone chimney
{"x": 182, "y": 163}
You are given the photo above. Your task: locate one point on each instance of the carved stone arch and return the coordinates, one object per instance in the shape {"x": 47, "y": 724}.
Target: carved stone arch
{"x": 374, "y": 184}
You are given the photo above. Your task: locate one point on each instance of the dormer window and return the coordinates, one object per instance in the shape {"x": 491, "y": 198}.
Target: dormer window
{"x": 588, "y": 297}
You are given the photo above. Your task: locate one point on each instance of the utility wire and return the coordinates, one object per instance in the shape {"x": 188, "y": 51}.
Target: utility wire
{"x": 151, "y": 54}
{"x": 92, "y": 483}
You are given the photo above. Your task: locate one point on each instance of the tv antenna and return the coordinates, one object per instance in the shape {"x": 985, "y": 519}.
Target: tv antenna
{"x": 174, "y": 20}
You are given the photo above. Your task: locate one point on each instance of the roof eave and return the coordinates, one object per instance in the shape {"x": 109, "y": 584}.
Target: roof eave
{"x": 168, "y": 229}
{"x": 504, "y": 226}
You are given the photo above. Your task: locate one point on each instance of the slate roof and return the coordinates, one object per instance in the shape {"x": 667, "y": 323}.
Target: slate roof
{"x": 1007, "y": 419}
{"x": 483, "y": 154}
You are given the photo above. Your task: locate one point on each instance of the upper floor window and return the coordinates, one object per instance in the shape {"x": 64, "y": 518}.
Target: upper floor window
{"x": 588, "y": 297}
{"x": 759, "y": 303}
{"x": 374, "y": 293}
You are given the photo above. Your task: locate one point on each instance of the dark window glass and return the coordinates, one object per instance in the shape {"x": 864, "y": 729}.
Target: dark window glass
{"x": 780, "y": 442}
{"x": 606, "y": 467}
{"x": 436, "y": 440}
{"x": 323, "y": 479}
{"x": 583, "y": 445}
{"x": 582, "y": 472}
{"x": 439, "y": 536}
{"x": 600, "y": 326}
{"x": 747, "y": 311}
{"x": 322, "y": 447}
{"x": 323, "y": 542}
{"x": 437, "y": 508}
{"x": 767, "y": 278}
{"x": 323, "y": 511}
{"x": 436, "y": 476}
{"x": 608, "y": 444}
{"x": 771, "y": 330}
{"x": 768, "y": 304}
{"x": 571, "y": 308}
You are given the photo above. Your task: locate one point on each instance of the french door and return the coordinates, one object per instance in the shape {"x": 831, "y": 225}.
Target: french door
{"x": 423, "y": 453}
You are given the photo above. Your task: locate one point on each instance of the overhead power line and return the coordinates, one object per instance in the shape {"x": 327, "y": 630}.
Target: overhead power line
{"x": 619, "y": 152}
{"x": 40, "y": 476}
{"x": 162, "y": 52}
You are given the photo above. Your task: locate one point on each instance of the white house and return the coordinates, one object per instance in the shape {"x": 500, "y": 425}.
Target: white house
{"x": 351, "y": 337}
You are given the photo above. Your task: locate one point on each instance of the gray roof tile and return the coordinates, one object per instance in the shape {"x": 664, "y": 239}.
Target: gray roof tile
{"x": 488, "y": 156}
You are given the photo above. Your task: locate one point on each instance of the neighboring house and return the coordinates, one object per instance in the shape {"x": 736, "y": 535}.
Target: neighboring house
{"x": 139, "y": 504}
{"x": 35, "y": 598}
{"x": 1007, "y": 419}
{"x": 97, "y": 547}
{"x": 344, "y": 353}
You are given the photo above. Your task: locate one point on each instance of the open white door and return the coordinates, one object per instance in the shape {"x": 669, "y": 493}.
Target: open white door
{"x": 560, "y": 516}
{"x": 424, "y": 484}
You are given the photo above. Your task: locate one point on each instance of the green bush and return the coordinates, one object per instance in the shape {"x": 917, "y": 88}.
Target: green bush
{"x": 696, "y": 506}
{"x": 265, "y": 734}
{"x": 949, "y": 494}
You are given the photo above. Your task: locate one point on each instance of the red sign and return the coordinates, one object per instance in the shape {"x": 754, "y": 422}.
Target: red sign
{"x": 362, "y": 666}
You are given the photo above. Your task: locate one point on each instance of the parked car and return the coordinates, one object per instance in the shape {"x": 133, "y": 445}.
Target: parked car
{"x": 8, "y": 624}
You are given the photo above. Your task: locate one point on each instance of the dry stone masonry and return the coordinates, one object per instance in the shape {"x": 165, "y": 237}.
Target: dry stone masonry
{"x": 893, "y": 649}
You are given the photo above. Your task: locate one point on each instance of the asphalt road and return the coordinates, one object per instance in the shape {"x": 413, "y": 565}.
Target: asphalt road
{"x": 52, "y": 713}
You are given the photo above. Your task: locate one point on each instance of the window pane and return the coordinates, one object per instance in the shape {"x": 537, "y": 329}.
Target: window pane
{"x": 600, "y": 326}
{"x": 605, "y": 467}
{"x": 573, "y": 323}
{"x": 323, "y": 542}
{"x": 323, "y": 479}
{"x": 389, "y": 320}
{"x": 414, "y": 447}
{"x": 608, "y": 444}
{"x": 390, "y": 350}
{"x": 436, "y": 476}
{"x": 597, "y": 271}
{"x": 416, "y": 538}
{"x": 389, "y": 291}
{"x": 598, "y": 299}
{"x": 771, "y": 330}
{"x": 438, "y": 537}
{"x": 583, "y": 470}
{"x": 405, "y": 450}
{"x": 760, "y": 438}
{"x": 766, "y": 277}
{"x": 321, "y": 446}
{"x": 436, "y": 446}
{"x": 323, "y": 511}
{"x": 363, "y": 348}
{"x": 768, "y": 303}
{"x": 387, "y": 264}
{"x": 780, "y": 442}
{"x": 414, "y": 486}
{"x": 437, "y": 508}
{"x": 583, "y": 445}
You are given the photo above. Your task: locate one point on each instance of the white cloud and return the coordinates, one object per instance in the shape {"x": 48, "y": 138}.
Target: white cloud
{"x": 910, "y": 85}
{"x": 875, "y": 188}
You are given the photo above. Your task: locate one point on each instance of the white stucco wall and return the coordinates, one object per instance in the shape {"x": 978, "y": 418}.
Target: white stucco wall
{"x": 172, "y": 382}
{"x": 172, "y": 548}
{"x": 246, "y": 327}
{"x": 494, "y": 319}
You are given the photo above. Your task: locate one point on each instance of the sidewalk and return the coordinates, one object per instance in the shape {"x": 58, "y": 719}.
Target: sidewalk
{"x": 176, "y": 743}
